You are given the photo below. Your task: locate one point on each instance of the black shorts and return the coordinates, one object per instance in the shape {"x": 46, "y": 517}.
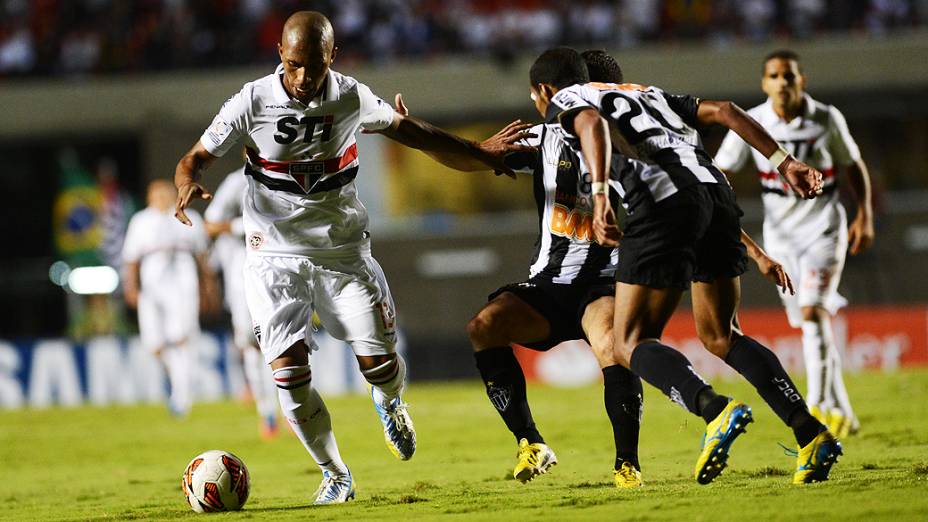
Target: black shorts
{"x": 694, "y": 235}
{"x": 562, "y": 305}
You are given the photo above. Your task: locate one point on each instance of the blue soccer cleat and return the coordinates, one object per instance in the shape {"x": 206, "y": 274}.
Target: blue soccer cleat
{"x": 335, "y": 489}
{"x": 716, "y": 443}
{"x": 398, "y": 431}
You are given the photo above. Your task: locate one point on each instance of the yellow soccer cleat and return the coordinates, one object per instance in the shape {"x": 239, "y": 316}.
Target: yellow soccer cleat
{"x": 814, "y": 460}
{"x": 534, "y": 459}
{"x": 839, "y": 424}
{"x": 716, "y": 443}
{"x": 819, "y": 415}
{"x": 627, "y": 476}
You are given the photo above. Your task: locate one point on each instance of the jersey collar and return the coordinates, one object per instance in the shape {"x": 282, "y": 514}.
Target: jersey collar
{"x": 808, "y": 109}
{"x": 281, "y": 96}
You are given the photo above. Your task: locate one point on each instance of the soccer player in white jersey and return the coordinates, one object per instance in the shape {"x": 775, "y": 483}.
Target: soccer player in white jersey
{"x": 307, "y": 232}
{"x": 224, "y": 226}
{"x": 811, "y": 237}
{"x": 683, "y": 232}
{"x": 165, "y": 269}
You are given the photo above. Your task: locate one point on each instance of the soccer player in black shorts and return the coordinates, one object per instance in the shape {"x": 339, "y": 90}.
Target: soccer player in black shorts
{"x": 569, "y": 295}
{"x": 683, "y": 231}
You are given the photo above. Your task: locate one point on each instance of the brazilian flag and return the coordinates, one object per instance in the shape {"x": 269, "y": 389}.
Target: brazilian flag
{"x": 77, "y": 214}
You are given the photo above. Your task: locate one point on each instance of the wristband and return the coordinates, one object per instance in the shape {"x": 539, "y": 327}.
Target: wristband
{"x": 778, "y": 157}
{"x": 598, "y": 187}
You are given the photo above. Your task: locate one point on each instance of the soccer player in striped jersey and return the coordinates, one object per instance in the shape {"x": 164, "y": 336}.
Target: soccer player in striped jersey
{"x": 810, "y": 236}
{"x": 307, "y": 232}
{"x": 223, "y": 221}
{"x": 683, "y": 231}
{"x": 569, "y": 295}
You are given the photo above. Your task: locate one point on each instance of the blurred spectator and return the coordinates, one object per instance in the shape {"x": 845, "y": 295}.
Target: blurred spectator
{"x": 67, "y": 37}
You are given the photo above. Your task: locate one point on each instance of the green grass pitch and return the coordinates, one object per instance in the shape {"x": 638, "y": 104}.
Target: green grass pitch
{"x": 123, "y": 463}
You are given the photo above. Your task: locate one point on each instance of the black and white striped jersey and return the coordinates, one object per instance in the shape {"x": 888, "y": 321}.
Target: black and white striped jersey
{"x": 657, "y": 128}
{"x": 565, "y": 251}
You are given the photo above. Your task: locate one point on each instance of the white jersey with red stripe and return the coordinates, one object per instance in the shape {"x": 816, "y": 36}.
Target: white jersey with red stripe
{"x": 820, "y": 138}
{"x": 301, "y": 162}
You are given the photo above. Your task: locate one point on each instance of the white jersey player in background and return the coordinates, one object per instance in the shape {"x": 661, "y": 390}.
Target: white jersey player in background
{"x": 224, "y": 225}
{"x": 164, "y": 267}
{"x": 307, "y": 233}
{"x": 810, "y": 237}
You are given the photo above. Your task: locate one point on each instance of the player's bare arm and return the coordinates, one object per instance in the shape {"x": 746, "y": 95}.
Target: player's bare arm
{"x": 593, "y": 132}
{"x": 422, "y": 135}
{"x": 804, "y": 180}
{"x": 766, "y": 265}
{"x": 186, "y": 179}
{"x": 130, "y": 286}
{"x": 508, "y": 135}
{"x": 860, "y": 235}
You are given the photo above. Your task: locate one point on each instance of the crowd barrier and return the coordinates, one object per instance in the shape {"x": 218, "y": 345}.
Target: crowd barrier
{"x": 872, "y": 338}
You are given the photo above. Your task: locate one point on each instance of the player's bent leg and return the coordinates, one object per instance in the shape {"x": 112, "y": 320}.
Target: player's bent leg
{"x": 641, "y": 314}
{"x": 713, "y": 307}
{"x": 307, "y": 414}
{"x": 504, "y": 320}
{"x": 622, "y": 392}
{"x": 387, "y": 376}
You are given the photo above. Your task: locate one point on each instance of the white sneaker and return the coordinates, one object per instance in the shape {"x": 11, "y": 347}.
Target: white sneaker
{"x": 334, "y": 489}
{"x": 398, "y": 431}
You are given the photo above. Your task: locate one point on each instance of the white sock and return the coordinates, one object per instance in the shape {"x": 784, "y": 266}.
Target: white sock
{"x": 307, "y": 414}
{"x": 816, "y": 338}
{"x": 179, "y": 360}
{"x": 842, "y": 400}
{"x": 260, "y": 382}
{"x": 387, "y": 380}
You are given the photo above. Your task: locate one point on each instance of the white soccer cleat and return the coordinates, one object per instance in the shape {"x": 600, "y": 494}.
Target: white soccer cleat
{"x": 335, "y": 489}
{"x": 398, "y": 431}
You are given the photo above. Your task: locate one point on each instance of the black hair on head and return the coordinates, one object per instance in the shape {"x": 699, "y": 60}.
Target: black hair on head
{"x": 560, "y": 67}
{"x": 783, "y": 54}
{"x": 602, "y": 67}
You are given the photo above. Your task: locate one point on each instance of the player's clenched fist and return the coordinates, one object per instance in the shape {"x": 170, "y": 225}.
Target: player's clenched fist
{"x": 805, "y": 180}
{"x": 185, "y": 194}
{"x": 605, "y": 230}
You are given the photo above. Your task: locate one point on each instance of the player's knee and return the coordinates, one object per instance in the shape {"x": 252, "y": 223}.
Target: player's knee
{"x": 294, "y": 382}
{"x": 604, "y": 349}
{"x": 716, "y": 342}
{"x": 484, "y": 329}
{"x": 388, "y": 375}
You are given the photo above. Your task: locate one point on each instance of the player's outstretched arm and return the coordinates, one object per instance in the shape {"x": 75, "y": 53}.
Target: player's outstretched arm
{"x": 186, "y": 176}
{"x": 463, "y": 154}
{"x": 766, "y": 265}
{"x": 804, "y": 180}
{"x": 860, "y": 235}
{"x": 593, "y": 132}
{"x": 509, "y": 134}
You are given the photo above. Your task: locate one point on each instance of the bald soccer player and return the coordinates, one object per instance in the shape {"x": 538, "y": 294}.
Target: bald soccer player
{"x": 307, "y": 233}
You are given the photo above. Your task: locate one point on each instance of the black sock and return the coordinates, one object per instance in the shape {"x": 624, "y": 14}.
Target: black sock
{"x": 670, "y": 372}
{"x": 762, "y": 369}
{"x": 506, "y": 389}
{"x": 710, "y": 404}
{"x": 623, "y": 396}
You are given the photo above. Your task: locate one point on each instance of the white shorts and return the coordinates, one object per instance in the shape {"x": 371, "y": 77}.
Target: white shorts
{"x": 350, "y": 296}
{"x": 815, "y": 272}
{"x": 168, "y": 318}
